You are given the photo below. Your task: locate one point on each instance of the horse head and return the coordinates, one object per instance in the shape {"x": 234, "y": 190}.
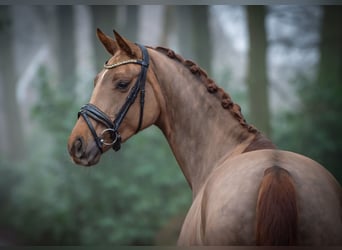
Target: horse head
{"x": 123, "y": 102}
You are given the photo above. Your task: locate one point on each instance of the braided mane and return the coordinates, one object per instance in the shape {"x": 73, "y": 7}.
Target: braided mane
{"x": 211, "y": 86}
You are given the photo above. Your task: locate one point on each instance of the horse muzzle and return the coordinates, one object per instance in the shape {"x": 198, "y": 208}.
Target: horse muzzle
{"x": 83, "y": 153}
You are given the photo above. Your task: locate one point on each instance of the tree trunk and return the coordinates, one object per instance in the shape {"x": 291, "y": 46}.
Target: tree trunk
{"x": 131, "y": 27}
{"x": 257, "y": 70}
{"x": 184, "y": 29}
{"x": 85, "y": 66}
{"x": 12, "y": 138}
{"x": 194, "y": 34}
{"x": 104, "y": 17}
{"x": 324, "y": 106}
{"x": 201, "y": 40}
{"x": 330, "y": 66}
{"x": 65, "y": 50}
{"x": 169, "y": 12}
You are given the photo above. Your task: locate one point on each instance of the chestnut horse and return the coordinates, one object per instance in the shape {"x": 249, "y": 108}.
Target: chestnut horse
{"x": 245, "y": 192}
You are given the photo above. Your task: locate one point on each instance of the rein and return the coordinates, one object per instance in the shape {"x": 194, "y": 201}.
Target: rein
{"x": 90, "y": 110}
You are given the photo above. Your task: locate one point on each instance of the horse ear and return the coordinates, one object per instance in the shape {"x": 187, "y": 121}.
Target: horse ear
{"x": 124, "y": 44}
{"x": 107, "y": 42}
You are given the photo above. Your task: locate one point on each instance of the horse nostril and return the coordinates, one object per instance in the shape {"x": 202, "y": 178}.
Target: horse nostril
{"x": 77, "y": 148}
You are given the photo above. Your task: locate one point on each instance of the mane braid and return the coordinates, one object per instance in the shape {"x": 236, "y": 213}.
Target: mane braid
{"x": 211, "y": 86}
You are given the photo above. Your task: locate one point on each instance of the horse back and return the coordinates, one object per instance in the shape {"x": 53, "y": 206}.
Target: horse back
{"x": 231, "y": 196}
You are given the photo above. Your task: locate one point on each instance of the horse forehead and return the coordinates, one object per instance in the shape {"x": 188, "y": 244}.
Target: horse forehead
{"x": 101, "y": 75}
{"x": 98, "y": 90}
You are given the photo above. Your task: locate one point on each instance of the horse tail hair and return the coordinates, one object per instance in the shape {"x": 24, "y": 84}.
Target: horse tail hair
{"x": 276, "y": 211}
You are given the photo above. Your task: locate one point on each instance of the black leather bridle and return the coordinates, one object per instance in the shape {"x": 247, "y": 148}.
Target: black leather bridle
{"x": 90, "y": 110}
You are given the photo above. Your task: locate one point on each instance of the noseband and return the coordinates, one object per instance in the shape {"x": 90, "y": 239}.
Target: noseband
{"x": 90, "y": 110}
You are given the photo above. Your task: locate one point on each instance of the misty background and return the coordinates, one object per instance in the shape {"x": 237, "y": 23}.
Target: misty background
{"x": 282, "y": 64}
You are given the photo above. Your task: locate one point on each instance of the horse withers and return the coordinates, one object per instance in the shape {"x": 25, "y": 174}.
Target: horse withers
{"x": 245, "y": 191}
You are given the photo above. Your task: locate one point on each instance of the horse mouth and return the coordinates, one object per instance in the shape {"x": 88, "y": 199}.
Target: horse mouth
{"x": 89, "y": 161}
{"x": 82, "y": 156}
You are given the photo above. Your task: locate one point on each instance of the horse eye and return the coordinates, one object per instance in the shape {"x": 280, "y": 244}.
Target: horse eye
{"x": 122, "y": 85}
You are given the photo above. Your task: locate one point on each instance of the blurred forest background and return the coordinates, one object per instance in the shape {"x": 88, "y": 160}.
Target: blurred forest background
{"x": 282, "y": 64}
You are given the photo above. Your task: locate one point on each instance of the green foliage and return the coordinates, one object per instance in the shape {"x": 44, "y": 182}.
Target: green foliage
{"x": 315, "y": 128}
{"x": 126, "y": 199}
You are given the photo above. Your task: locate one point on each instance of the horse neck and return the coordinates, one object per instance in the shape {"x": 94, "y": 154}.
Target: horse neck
{"x": 199, "y": 130}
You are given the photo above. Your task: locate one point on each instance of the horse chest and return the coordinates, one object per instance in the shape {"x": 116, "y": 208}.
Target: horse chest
{"x": 192, "y": 231}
